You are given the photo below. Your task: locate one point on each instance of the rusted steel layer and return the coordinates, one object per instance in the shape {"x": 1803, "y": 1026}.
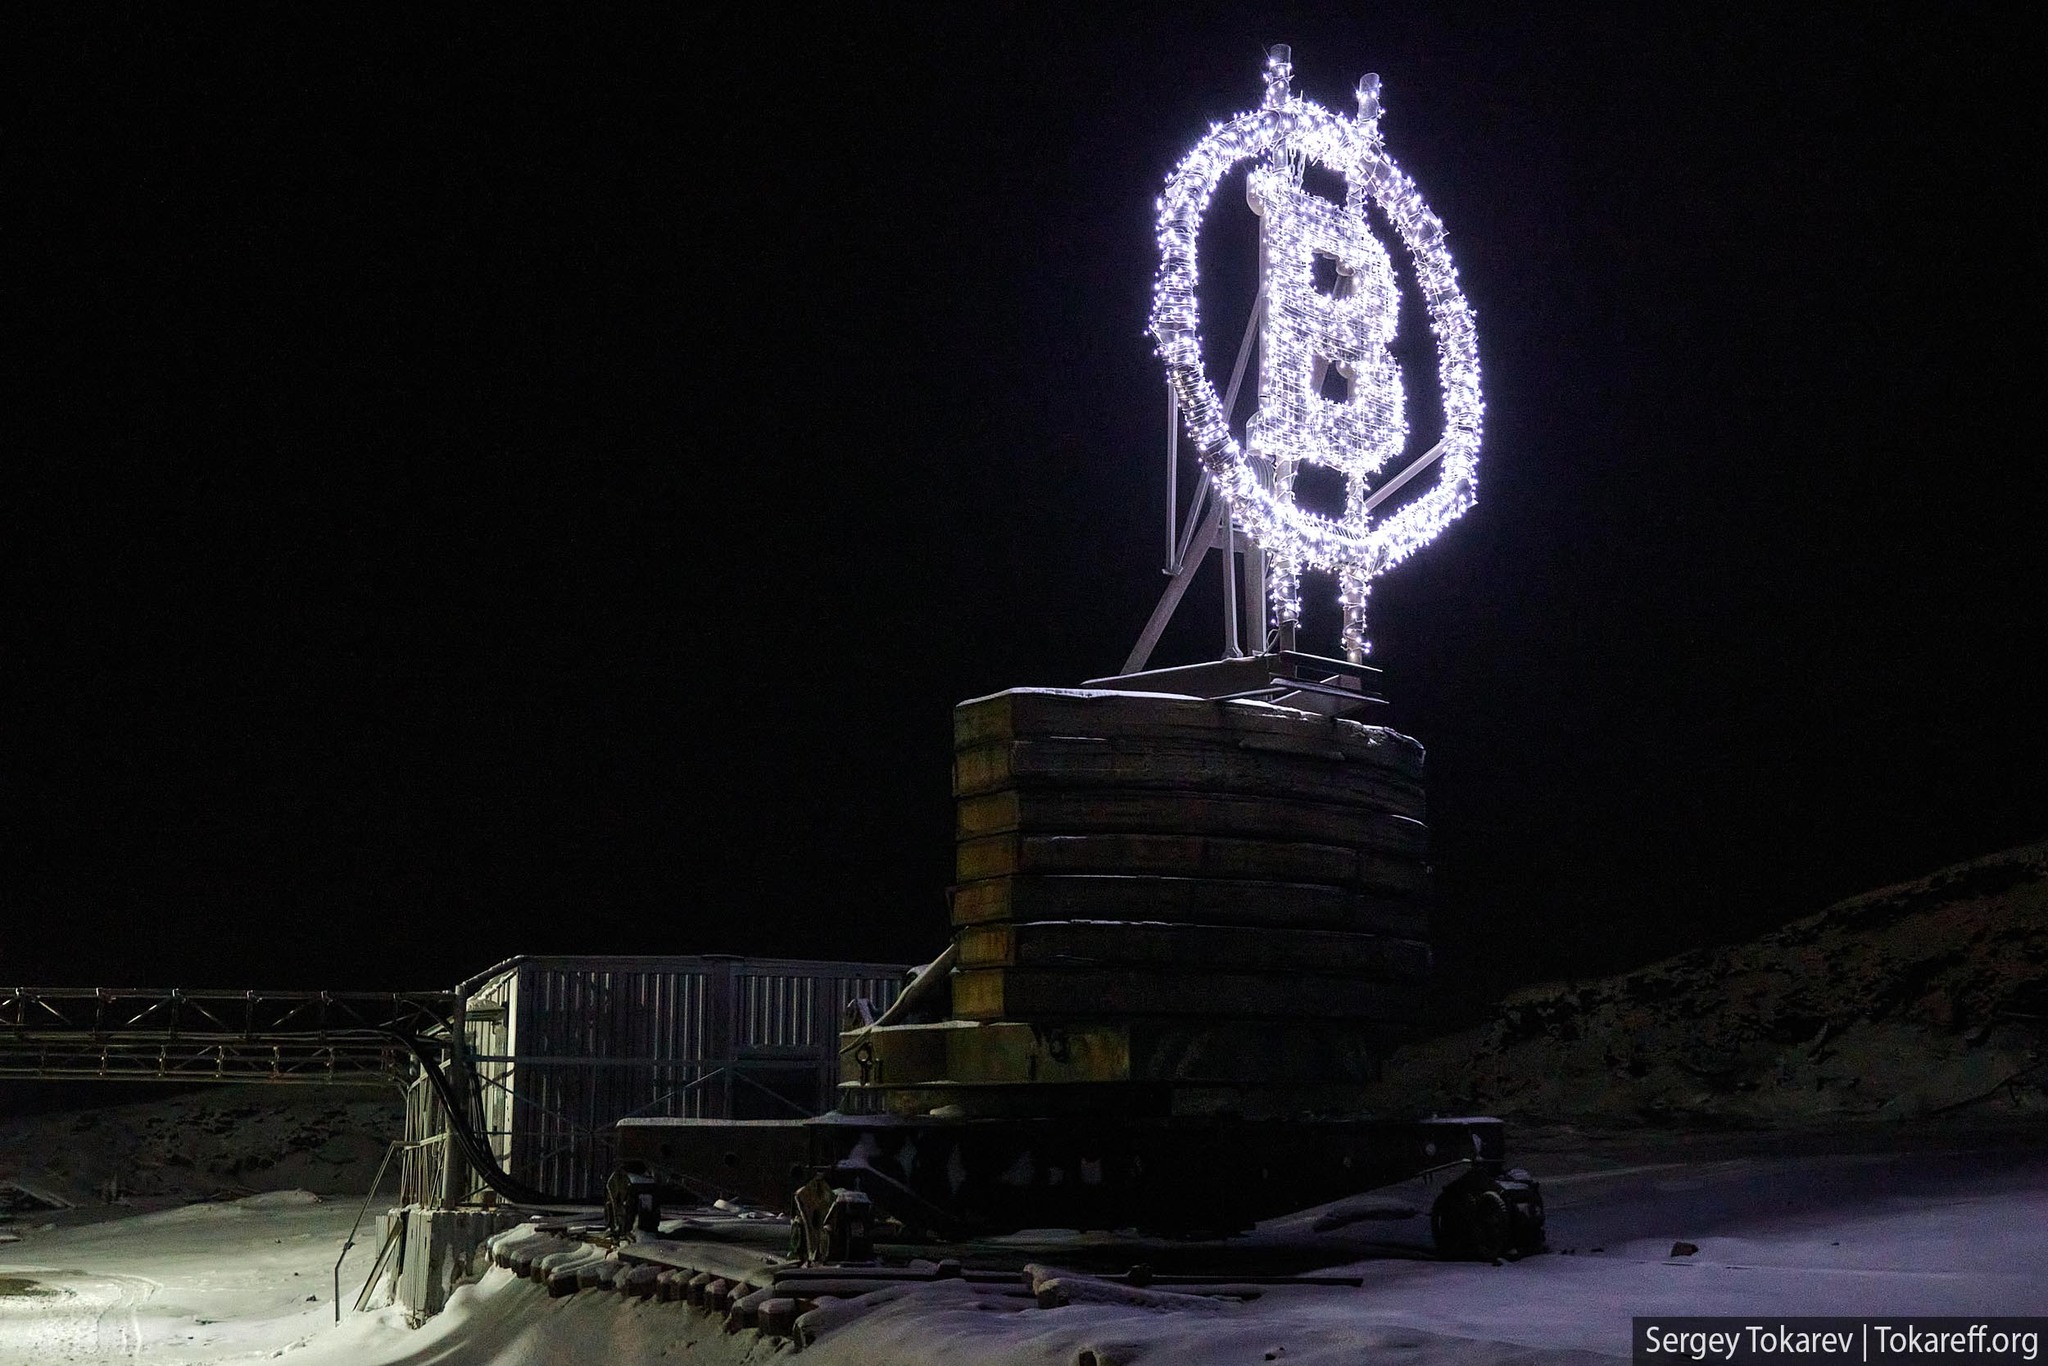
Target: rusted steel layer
{"x": 1033, "y": 713}
{"x": 1400, "y": 912}
{"x": 1256, "y": 767}
{"x": 1203, "y": 1051}
{"x": 1052, "y": 993}
{"x": 1108, "y": 811}
{"x": 1241, "y": 948}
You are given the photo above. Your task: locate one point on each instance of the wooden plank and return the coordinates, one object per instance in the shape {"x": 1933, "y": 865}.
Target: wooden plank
{"x": 1073, "y": 762}
{"x": 1206, "y": 901}
{"x": 1169, "y": 855}
{"x": 886, "y": 1054}
{"x": 1045, "y": 993}
{"x": 1252, "y": 1051}
{"x": 1136, "y": 1098}
{"x": 989, "y": 1052}
{"x": 1286, "y": 1100}
{"x": 1043, "y": 713}
{"x": 1065, "y": 943}
{"x": 1198, "y": 1050}
{"x": 1138, "y": 811}
{"x": 1093, "y": 1100}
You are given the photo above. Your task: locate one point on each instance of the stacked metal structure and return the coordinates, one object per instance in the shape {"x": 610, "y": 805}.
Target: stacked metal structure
{"x": 1186, "y": 931}
{"x": 1166, "y": 906}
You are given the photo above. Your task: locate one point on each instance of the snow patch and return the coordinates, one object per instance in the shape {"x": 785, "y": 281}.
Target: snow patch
{"x": 279, "y": 1200}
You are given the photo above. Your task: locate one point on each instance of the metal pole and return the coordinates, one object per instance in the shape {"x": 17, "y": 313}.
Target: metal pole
{"x": 1244, "y": 352}
{"x": 1176, "y": 588}
{"x": 455, "y": 1170}
{"x": 1388, "y": 489}
{"x": 1254, "y": 561}
{"x": 1207, "y": 486}
{"x": 1197, "y": 536}
{"x": 1254, "y": 555}
{"x": 1193, "y": 524}
{"x": 350, "y": 1241}
{"x": 1172, "y": 477}
{"x": 1227, "y": 543}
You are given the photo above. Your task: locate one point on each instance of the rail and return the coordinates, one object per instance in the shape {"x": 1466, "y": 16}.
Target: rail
{"x": 174, "y": 1034}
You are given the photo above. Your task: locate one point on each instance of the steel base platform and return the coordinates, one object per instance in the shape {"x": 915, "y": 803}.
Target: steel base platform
{"x": 958, "y": 1178}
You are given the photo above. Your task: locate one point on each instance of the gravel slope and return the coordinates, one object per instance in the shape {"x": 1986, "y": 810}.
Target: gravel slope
{"x": 1928, "y": 997}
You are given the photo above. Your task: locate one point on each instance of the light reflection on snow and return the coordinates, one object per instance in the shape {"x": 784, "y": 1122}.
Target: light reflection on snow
{"x": 1932, "y": 1233}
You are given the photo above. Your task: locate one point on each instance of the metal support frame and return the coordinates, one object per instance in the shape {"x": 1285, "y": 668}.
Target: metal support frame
{"x": 392, "y": 1239}
{"x": 315, "y": 1037}
{"x": 1173, "y": 550}
{"x": 1206, "y": 527}
{"x": 349, "y": 1242}
{"x": 912, "y": 1168}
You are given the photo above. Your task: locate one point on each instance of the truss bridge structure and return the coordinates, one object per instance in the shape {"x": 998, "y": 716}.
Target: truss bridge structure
{"x": 170, "y": 1034}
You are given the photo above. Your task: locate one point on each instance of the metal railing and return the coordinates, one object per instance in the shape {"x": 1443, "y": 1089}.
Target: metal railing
{"x": 172, "y": 1034}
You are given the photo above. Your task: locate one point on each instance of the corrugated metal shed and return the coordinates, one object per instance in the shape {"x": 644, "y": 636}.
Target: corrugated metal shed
{"x": 563, "y": 1048}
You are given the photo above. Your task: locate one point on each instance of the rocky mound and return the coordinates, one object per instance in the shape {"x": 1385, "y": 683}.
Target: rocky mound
{"x": 228, "y": 1140}
{"x": 1923, "y": 998}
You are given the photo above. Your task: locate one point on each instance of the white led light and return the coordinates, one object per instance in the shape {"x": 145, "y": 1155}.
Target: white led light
{"x": 1307, "y": 331}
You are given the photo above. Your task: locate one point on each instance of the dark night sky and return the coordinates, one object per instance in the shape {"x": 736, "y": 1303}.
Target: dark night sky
{"x": 525, "y": 490}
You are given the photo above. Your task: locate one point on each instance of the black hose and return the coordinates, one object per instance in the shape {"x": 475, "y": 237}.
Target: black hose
{"x": 475, "y": 1150}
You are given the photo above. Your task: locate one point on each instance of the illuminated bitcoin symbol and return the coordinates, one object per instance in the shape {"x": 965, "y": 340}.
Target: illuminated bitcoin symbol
{"x": 1310, "y": 331}
{"x": 1329, "y": 391}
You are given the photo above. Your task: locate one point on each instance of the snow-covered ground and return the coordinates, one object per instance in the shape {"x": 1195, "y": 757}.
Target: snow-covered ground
{"x": 200, "y": 1283}
{"x": 1829, "y": 1225}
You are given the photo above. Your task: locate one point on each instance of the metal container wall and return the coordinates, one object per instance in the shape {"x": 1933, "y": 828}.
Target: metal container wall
{"x": 423, "y": 1158}
{"x": 564, "y": 1048}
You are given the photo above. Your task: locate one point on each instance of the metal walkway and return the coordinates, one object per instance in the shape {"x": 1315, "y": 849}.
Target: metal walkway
{"x": 132, "y": 1034}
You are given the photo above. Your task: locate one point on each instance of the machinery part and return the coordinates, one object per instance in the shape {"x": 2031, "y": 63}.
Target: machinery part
{"x": 962, "y": 1177}
{"x": 831, "y": 1224}
{"x": 635, "y": 1197}
{"x": 1485, "y": 1216}
{"x": 807, "y": 1220}
{"x": 849, "y": 1227}
{"x": 632, "y": 1201}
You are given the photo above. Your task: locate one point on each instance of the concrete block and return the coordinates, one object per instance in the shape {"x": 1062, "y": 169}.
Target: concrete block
{"x": 443, "y": 1249}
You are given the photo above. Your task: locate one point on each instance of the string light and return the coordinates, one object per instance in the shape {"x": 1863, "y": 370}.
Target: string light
{"x": 1307, "y": 331}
